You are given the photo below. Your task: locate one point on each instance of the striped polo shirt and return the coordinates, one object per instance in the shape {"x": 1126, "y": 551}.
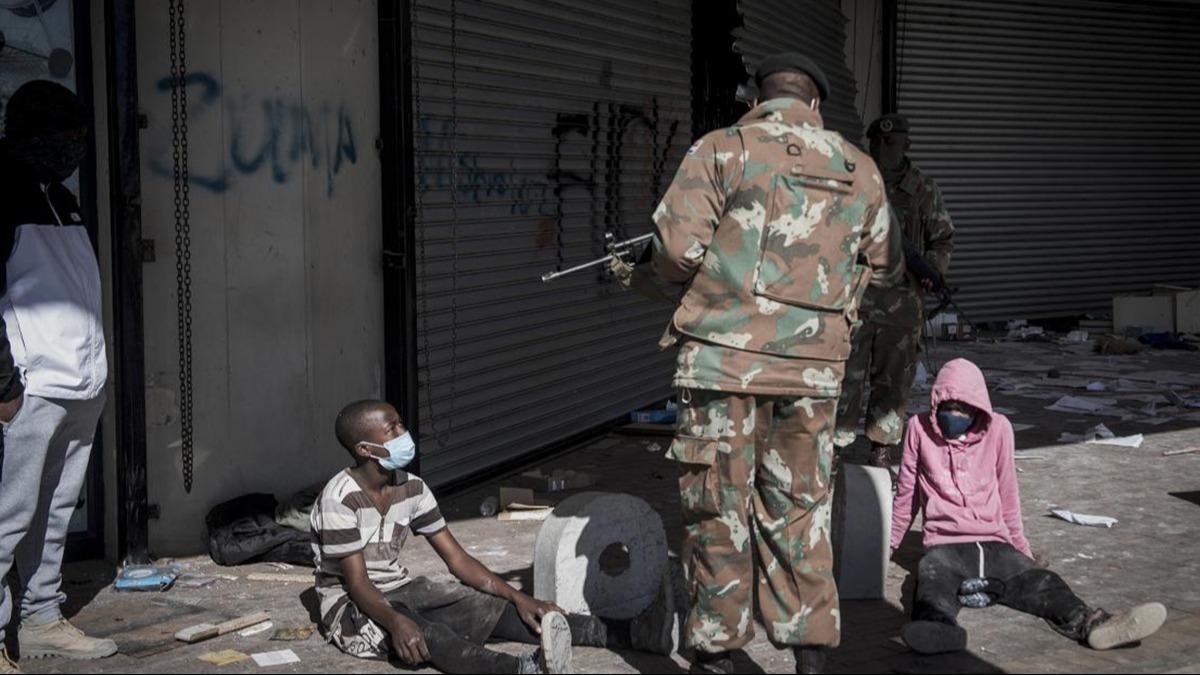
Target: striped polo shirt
{"x": 345, "y": 521}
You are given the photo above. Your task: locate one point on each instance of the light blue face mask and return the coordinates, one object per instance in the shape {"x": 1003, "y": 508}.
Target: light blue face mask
{"x": 401, "y": 452}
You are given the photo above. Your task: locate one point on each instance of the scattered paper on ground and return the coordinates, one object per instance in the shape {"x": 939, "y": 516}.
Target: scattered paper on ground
{"x": 1018, "y": 426}
{"x": 1083, "y": 518}
{"x": 1102, "y": 435}
{"x": 223, "y": 657}
{"x": 279, "y": 658}
{"x": 1078, "y": 404}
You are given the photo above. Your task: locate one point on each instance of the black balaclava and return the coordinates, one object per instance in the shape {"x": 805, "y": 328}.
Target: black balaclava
{"x": 45, "y": 127}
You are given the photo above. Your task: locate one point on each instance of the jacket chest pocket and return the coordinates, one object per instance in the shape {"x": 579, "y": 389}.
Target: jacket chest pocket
{"x": 809, "y": 242}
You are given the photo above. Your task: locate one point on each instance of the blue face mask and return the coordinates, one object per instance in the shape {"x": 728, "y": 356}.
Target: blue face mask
{"x": 954, "y": 424}
{"x": 401, "y": 452}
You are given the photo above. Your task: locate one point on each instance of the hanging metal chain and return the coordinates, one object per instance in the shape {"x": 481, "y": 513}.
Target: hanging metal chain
{"x": 426, "y": 400}
{"x": 183, "y": 236}
{"x": 453, "y": 214}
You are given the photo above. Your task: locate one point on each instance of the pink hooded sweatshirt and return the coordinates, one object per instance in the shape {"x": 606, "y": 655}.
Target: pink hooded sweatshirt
{"x": 967, "y": 487}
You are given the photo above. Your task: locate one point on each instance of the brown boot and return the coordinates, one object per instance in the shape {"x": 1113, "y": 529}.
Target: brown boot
{"x": 7, "y": 665}
{"x": 881, "y": 456}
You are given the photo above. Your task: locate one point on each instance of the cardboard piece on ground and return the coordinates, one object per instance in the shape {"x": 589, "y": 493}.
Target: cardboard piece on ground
{"x": 1187, "y": 312}
{"x": 224, "y": 657}
{"x": 279, "y": 658}
{"x": 521, "y": 504}
{"x": 297, "y": 634}
{"x": 1153, "y": 313}
{"x": 204, "y": 631}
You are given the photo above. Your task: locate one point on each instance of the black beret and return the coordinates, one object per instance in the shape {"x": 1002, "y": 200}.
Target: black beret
{"x": 793, "y": 62}
{"x": 42, "y": 107}
{"x": 891, "y": 123}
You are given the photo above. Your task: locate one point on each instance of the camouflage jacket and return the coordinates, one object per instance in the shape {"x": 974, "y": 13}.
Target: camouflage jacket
{"x": 921, "y": 213}
{"x": 776, "y": 225}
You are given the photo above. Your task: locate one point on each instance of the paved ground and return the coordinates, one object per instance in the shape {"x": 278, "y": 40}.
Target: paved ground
{"x": 1150, "y": 554}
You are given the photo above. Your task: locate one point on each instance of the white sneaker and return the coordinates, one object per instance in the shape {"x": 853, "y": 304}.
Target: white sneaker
{"x": 556, "y": 653}
{"x": 60, "y": 638}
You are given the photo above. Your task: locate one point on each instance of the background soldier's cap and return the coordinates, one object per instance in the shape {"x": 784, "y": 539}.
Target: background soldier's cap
{"x": 890, "y": 123}
{"x": 793, "y": 62}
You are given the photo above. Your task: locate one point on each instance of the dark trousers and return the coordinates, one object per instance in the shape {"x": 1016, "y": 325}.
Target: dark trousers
{"x": 451, "y": 653}
{"x": 1013, "y": 581}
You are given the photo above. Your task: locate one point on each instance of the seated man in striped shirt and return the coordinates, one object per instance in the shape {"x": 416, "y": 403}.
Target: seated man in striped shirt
{"x": 371, "y": 607}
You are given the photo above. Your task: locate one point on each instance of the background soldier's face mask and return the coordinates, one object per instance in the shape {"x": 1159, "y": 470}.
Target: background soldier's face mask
{"x": 889, "y": 150}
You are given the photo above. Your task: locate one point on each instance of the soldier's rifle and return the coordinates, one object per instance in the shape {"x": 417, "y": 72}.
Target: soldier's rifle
{"x": 924, "y": 272}
{"x": 616, "y": 249}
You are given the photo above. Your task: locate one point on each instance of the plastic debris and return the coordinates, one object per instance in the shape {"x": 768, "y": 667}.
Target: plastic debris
{"x": 147, "y": 578}
{"x": 489, "y": 507}
{"x": 1082, "y": 518}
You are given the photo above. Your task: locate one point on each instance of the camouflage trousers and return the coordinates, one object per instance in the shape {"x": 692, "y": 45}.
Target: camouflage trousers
{"x": 888, "y": 356}
{"x": 756, "y": 500}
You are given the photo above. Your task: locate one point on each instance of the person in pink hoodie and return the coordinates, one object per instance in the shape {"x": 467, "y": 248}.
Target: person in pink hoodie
{"x": 959, "y": 472}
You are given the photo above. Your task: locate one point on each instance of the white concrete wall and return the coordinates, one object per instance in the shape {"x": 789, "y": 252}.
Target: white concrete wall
{"x": 864, "y": 54}
{"x": 286, "y": 243}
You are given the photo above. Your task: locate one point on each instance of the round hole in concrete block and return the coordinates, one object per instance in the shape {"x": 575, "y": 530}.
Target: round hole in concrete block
{"x": 614, "y": 559}
{"x": 600, "y": 553}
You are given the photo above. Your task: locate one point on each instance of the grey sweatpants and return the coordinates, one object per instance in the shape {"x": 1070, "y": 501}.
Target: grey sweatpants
{"x": 45, "y": 459}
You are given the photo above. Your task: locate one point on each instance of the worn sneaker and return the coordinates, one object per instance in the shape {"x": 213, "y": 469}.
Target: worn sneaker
{"x": 556, "y": 651}
{"x": 934, "y": 637}
{"x": 1127, "y": 627}
{"x": 60, "y": 638}
{"x": 653, "y": 630}
{"x": 7, "y": 665}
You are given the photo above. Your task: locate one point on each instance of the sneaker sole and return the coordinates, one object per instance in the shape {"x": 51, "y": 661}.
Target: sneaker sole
{"x": 556, "y": 643}
{"x": 930, "y": 637}
{"x": 1137, "y": 624}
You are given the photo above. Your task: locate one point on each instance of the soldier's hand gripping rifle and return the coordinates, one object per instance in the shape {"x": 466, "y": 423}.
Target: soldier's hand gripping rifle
{"x": 932, "y": 280}
{"x": 617, "y": 250}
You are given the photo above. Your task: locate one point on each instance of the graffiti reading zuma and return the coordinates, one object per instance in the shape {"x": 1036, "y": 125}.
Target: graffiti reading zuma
{"x": 271, "y": 134}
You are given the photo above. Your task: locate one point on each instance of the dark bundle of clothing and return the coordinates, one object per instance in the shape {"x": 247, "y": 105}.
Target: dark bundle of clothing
{"x": 244, "y": 530}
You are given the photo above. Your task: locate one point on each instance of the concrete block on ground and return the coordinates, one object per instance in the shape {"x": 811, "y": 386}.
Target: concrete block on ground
{"x": 862, "y": 529}
{"x": 600, "y": 553}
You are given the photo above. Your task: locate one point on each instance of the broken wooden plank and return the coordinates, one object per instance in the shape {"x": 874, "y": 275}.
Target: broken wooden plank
{"x": 204, "y": 631}
{"x": 282, "y": 578}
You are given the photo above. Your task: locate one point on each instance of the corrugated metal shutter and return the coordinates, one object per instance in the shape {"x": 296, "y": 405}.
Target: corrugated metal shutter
{"x": 1065, "y": 136}
{"x": 813, "y": 27}
{"x": 541, "y": 125}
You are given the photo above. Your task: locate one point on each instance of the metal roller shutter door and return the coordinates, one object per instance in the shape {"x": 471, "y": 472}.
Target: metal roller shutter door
{"x": 816, "y": 28}
{"x": 1064, "y": 135}
{"x": 540, "y": 125}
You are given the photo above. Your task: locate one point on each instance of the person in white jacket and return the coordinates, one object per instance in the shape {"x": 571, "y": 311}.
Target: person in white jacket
{"x": 51, "y": 304}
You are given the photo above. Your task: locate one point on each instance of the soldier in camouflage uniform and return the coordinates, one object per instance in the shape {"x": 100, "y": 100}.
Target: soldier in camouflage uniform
{"x": 775, "y": 226}
{"x": 887, "y": 346}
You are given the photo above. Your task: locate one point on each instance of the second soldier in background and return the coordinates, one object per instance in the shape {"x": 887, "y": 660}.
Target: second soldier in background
{"x": 775, "y": 226}
{"x": 887, "y": 346}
